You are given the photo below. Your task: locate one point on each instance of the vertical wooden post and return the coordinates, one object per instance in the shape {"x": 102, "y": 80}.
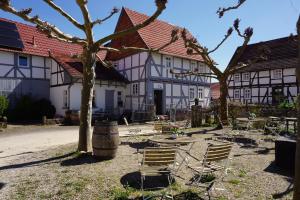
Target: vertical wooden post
{"x": 196, "y": 116}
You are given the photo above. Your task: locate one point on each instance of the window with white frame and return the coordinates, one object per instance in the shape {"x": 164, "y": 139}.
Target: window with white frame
{"x": 193, "y": 66}
{"x": 247, "y": 93}
{"x": 236, "y": 78}
{"x": 192, "y": 93}
{"x": 23, "y": 61}
{"x": 236, "y": 94}
{"x": 200, "y": 93}
{"x": 246, "y": 76}
{"x": 277, "y": 74}
{"x": 65, "y": 99}
{"x": 168, "y": 62}
{"x": 135, "y": 89}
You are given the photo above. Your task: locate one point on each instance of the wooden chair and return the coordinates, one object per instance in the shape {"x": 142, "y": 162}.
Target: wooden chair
{"x": 158, "y": 126}
{"x": 158, "y": 161}
{"x": 273, "y": 126}
{"x": 215, "y": 160}
{"x": 133, "y": 132}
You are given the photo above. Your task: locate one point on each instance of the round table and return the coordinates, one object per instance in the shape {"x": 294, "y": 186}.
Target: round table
{"x": 180, "y": 140}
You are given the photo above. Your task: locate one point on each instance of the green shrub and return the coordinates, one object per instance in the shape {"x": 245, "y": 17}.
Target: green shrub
{"x": 3, "y": 105}
{"x": 27, "y": 108}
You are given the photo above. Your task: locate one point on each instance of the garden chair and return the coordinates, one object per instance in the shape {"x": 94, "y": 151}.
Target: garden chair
{"x": 273, "y": 126}
{"x": 158, "y": 161}
{"x": 158, "y": 125}
{"x": 133, "y": 132}
{"x": 215, "y": 160}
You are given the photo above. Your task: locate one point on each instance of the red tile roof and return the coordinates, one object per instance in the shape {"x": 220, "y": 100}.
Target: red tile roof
{"x": 73, "y": 66}
{"x": 156, "y": 35}
{"x": 30, "y": 35}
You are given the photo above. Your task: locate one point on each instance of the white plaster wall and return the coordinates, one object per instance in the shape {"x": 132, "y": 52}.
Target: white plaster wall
{"x": 177, "y": 62}
{"x": 135, "y": 60}
{"x": 4, "y": 69}
{"x": 128, "y": 62}
{"x": 38, "y": 72}
{"x": 56, "y": 98}
{"x": 6, "y": 58}
{"x": 157, "y": 58}
{"x": 143, "y": 58}
{"x": 26, "y": 72}
{"x": 38, "y": 61}
{"x": 75, "y": 95}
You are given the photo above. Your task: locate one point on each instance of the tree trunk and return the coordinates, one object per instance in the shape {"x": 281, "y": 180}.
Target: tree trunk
{"x": 89, "y": 64}
{"x": 223, "y": 101}
{"x": 297, "y": 163}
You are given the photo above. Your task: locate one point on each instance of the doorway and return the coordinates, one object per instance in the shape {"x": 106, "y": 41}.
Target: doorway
{"x": 277, "y": 95}
{"x": 158, "y": 101}
{"x": 109, "y": 101}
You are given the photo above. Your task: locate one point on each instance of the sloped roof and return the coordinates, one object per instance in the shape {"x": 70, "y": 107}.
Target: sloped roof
{"x": 155, "y": 35}
{"x": 215, "y": 90}
{"x": 39, "y": 44}
{"x": 74, "y": 68}
{"x": 280, "y": 53}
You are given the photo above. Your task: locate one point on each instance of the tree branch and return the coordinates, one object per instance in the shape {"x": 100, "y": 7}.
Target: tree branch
{"x": 160, "y": 4}
{"x": 63, "y": 13}
{"x": 47, "y": 28}
{"x": 221, "y": 11}
{"x": 87, "y": 21}
{"x": 224, "y": 39}
{"x": 192, "y": 73}
{"x": 100, "y": 21}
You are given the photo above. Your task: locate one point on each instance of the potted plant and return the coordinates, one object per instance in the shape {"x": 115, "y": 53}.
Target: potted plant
{"x": 176, "y": 132}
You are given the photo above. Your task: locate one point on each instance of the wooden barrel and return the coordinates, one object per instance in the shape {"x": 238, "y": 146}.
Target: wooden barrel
{"x": 105, "y": 139}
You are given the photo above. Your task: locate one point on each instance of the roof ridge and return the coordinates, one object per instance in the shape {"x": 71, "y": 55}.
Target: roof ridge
{"x": 154, "y": 20}
{"x": 272, "y": 40}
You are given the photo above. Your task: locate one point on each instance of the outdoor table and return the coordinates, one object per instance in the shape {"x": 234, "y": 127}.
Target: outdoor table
{"x": 272, "y": 118}
{"x": 177, "y": 142}
{"x": 287, "y": 123}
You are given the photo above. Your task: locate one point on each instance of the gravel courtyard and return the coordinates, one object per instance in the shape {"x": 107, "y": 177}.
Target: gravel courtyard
{"x": 62, "y": 173}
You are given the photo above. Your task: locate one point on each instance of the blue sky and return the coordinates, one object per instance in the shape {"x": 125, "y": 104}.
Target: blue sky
{"x": 270, "y": 19}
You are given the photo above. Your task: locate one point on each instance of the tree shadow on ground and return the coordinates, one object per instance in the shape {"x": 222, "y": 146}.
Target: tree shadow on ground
{"x": 81, "y": 159}
{"x": 272, "y": 168}
{"x": 152, "y": 183}
{"x": 2, "y": 185}
{"x": 261, "y": 151}
{"x": 289, "y": 189}
{"x": 28, "y": 152}
{"x": 37, "y": 162}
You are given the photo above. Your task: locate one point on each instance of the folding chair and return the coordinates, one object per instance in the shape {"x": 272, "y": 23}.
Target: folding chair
{"x": 133, "y": 132}
{"x": 215, "y": 160}
{"x": 158, "y": 161}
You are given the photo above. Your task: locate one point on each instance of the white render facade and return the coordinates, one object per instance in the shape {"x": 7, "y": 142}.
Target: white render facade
{"x": 259, "y": 87}
{"x": 43, "y": 77}
{"x": 23, "y": 74}
{"x": 151, "y": 82}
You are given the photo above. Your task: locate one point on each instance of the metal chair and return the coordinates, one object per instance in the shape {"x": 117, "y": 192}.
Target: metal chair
{"x": 133, "y": 132}
{"x": 158, "y": 161}
{"x": 215, "y": 159}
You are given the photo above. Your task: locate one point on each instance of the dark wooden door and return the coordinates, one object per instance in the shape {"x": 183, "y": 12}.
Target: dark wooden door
{"x": 158, "y": 98}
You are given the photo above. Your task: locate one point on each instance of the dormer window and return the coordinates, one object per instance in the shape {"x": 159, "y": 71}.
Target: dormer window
{"x": 23, "y": 61}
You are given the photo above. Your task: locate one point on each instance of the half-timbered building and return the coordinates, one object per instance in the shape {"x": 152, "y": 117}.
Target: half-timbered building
{"x": 269, "y": 80}
{"x": 149, "y": 73}
{"x": 33, "y": 64}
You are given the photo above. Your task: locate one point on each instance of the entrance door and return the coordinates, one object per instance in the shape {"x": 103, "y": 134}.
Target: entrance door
{"x": 158, "y": 100}
{"x": 109, "y": 101}
{"x": 277, "y": 95}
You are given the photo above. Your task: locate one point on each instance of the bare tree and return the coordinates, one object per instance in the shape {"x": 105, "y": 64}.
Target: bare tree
{"x": 194, "y": 48}
{"x": 90, "y": 49}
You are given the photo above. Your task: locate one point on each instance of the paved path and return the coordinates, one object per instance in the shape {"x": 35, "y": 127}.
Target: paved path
{"x": 28, "y": 140}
